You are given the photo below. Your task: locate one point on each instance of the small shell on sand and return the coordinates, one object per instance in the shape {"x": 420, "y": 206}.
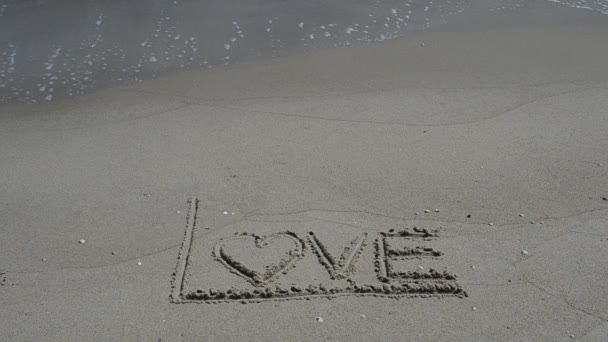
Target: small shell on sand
{"x": 490, "y": 224}
{"x": 521, "y": 215}
{"x": 82, "y": 242}
{"x": 320, "y": 319}
{"x": 139, "y": 263}
{"x": 436, "y": 210}
{"x": 427, "y": 211}
{"x": 225, "y": 213}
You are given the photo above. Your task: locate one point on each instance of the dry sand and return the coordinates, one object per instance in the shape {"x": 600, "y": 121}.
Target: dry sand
{"x": 503, "y": 130}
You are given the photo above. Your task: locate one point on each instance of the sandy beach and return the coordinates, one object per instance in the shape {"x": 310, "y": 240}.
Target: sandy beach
{"x": 450, "y": 184}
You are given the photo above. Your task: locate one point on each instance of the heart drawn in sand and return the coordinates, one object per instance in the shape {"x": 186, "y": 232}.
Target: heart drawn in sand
{"x": 260, "y": 259}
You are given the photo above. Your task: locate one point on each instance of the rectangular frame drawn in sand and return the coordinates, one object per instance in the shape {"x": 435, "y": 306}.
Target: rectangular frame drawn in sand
{"x": 219, "y": 268}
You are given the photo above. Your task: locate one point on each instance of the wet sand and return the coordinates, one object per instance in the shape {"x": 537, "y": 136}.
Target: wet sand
{"x": 52, "y": 50}
{"x": 465, "y": 168}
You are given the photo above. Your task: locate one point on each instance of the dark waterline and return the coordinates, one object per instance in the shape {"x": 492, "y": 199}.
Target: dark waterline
{"x": 51, "y": 49}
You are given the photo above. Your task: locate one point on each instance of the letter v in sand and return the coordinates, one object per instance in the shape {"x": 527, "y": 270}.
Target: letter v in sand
{"x": 345, "y": 265}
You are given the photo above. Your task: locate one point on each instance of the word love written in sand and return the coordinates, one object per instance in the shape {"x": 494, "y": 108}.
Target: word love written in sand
{"x": 307, "y": 261}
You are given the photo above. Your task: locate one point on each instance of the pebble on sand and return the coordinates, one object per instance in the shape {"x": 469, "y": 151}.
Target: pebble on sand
{"x": 436, "y": 210}
{"x": 139, "y": 263}
{"x": 427, "y": 211}
{"x": 521, "y": 215}
{"x": 524, "y": 252}
{"x": 82, "y": 242}
{"x": 320, "y": 319}
{"x": 490, "y": 224}
{"x": 225, "y": 213}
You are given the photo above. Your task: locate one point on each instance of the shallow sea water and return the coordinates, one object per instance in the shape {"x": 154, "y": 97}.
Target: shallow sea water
{"x": 51, "y": 49}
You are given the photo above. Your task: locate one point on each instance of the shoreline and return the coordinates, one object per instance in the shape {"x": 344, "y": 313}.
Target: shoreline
{"x": 477, "y": 152}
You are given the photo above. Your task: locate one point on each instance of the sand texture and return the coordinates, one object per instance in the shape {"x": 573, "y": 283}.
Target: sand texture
{"x": 448, "y": 185}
